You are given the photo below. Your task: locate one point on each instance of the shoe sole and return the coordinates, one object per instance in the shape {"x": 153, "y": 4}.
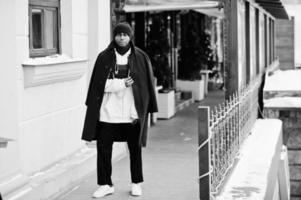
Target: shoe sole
{"x": 135, "y": 195}
{"x": 104, "y": 195}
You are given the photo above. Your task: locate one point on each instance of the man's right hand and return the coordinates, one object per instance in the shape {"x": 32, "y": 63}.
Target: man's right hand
{"x": 128, "y": 82}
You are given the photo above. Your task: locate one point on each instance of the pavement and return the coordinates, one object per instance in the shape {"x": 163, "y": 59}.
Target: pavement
{"x": 170, "y": 161}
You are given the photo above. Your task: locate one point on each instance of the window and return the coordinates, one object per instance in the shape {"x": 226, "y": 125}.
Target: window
{"x": 44, "y": 33}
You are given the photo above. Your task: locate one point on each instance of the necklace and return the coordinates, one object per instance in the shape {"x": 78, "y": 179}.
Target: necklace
{"x": 116, "y": 69}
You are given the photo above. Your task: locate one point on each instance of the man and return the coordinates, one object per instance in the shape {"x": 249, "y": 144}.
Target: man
{"x": 120, "y": 96}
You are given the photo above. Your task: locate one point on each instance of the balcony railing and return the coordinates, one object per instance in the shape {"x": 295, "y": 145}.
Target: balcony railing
{"x": 222, "y": 131}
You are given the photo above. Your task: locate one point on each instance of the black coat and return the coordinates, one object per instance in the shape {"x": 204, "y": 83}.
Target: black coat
{"x": 143, "y": 90}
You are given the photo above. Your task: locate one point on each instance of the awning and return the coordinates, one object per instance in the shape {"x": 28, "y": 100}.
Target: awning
{"x": 168, "y": 5}
{"x": 274, "y": 7}
{"x": 213, "y": 12}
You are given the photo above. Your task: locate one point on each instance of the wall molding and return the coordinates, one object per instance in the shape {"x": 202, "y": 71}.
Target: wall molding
{"x": 42, "y": 71}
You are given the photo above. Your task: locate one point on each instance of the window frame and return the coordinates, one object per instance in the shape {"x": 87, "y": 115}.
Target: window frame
{"x": 45, "y": 5}
{"x": 257, "y": 25}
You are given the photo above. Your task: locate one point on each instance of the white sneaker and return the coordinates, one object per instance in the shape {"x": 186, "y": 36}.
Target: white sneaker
{"x": 103, "y": 190}
{"x": 136, "y": 189}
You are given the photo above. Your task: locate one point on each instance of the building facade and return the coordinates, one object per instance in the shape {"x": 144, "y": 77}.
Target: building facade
{"x": 250, "y": 40}
{"x": 47, "y": 55}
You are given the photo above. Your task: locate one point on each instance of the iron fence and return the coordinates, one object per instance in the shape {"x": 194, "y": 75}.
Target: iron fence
{"x": 221, "y": 133}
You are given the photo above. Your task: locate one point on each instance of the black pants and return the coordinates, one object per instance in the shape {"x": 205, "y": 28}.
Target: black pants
{"x": 107, "y": 134}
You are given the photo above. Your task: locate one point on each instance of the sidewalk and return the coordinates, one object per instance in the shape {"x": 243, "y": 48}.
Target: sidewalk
{"x": 170, "y": 161}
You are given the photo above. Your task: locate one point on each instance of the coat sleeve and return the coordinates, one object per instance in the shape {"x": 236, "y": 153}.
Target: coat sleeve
{"x": 152, "y": 107}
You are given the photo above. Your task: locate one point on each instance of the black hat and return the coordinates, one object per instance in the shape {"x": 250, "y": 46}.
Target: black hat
{"x": 123, "y": 27}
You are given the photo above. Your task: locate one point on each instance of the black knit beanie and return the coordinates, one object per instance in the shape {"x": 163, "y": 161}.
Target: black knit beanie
{"x": 123, "y": 27}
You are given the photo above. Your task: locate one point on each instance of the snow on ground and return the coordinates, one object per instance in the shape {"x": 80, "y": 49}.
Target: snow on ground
{"x": 289, "y": 80}
{"x": 255, "y": 166}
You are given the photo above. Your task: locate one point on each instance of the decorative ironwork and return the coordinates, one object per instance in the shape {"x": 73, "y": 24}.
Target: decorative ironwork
{"x": 229, "y": 125}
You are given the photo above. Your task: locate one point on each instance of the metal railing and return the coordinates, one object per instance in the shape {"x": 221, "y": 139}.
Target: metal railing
{"x": 221, "y": 133}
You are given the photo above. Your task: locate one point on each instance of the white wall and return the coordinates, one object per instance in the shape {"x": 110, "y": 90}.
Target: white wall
{"x": 294, "y": 10}
{"x": 46, "y": 120}
{"x": 51, "y": 115}
{"x": 99, "y": 29}
{"x": 104, "y": 24}
{"x": 9, "y": 157}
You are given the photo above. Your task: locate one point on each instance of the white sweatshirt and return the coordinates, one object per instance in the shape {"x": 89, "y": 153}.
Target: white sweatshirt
{"x": 118, "y": 105}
